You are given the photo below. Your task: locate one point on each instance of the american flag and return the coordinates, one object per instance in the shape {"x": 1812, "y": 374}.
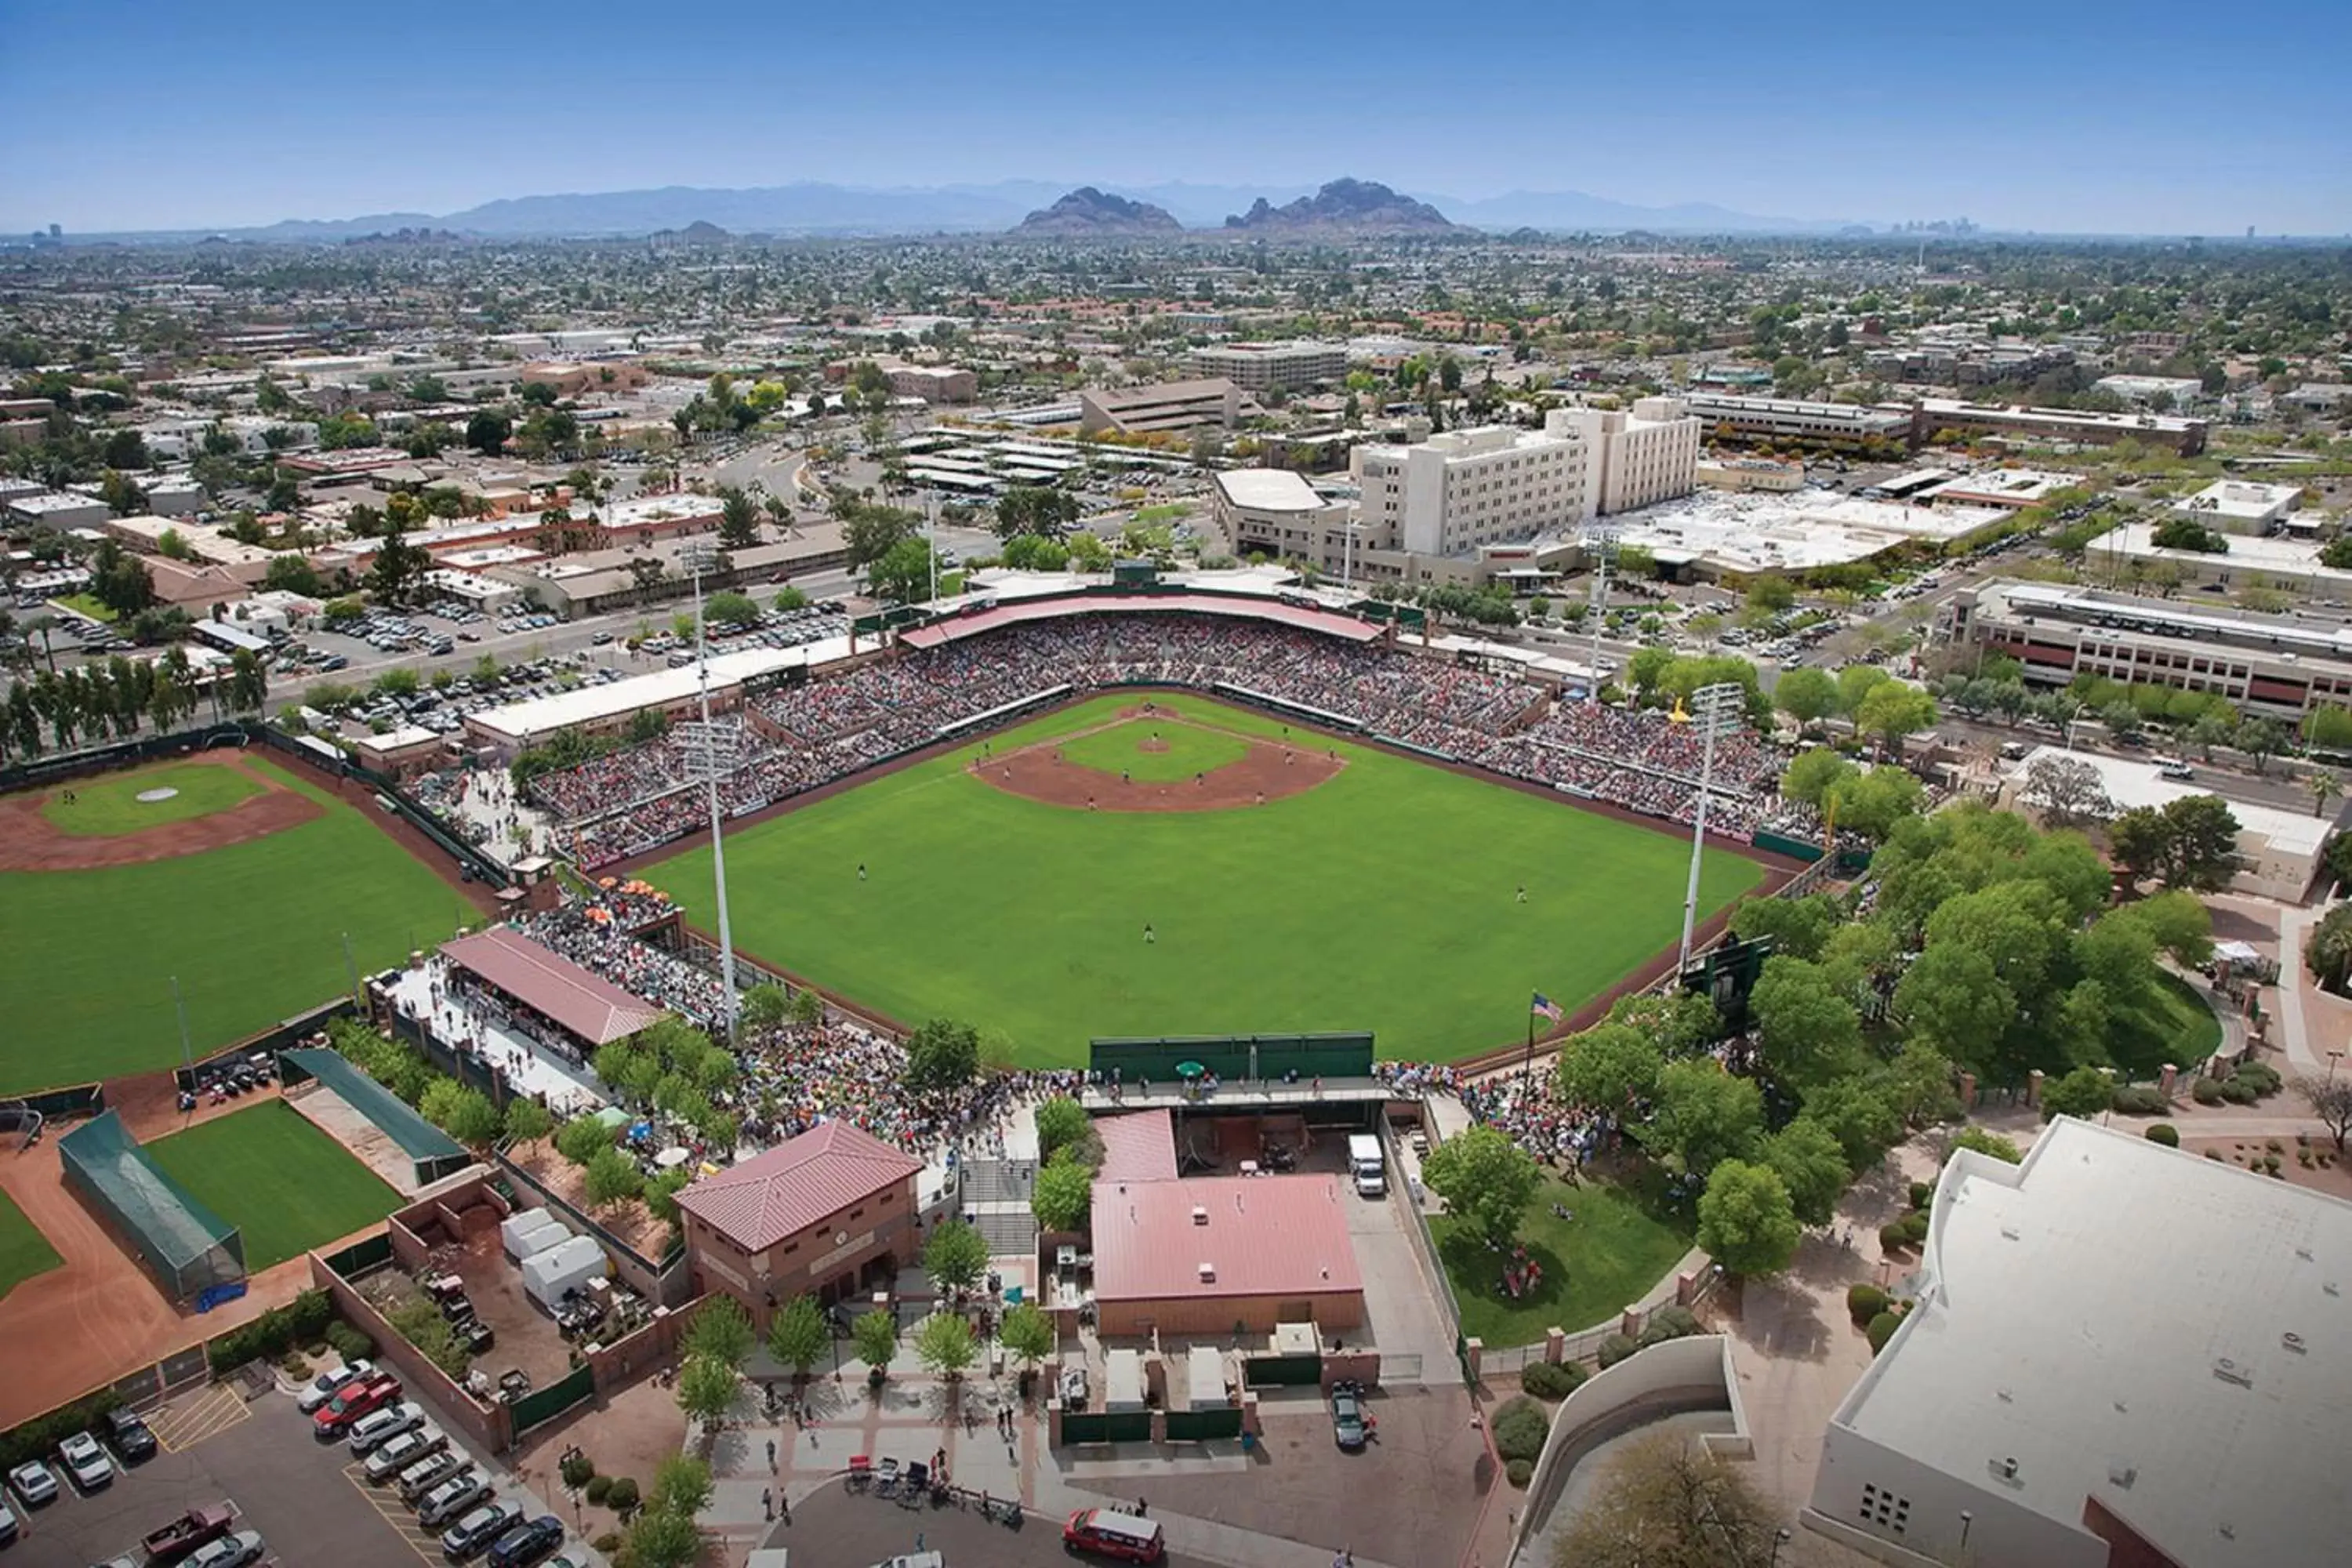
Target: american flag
{"x": 1547, "y": 1007}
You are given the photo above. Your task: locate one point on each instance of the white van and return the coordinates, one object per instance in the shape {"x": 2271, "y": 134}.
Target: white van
{"x": 1365, "y": 1163}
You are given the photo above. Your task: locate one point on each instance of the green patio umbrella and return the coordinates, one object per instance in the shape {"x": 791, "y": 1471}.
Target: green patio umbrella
{"x": 1190, "y": 1071}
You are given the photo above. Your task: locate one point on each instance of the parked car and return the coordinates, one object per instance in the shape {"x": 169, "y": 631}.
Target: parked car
{"x": 229, "y": 1552}
{"x": 378, "y": 1427}
{"x": 183, "y": 1536}
{"x": 421, "y": 1476}
{"x": 1349, "y": 1427}
{"x": 33, "y": 1483}
{"x": 476, "y": 1531}
{"x": 7, "y": 1524}
{"x": 452, "y": 1497}
{"x": 129, "y": 1437}
{"x": 86, "y": 1462}
{"x": 334, "y": 1418}
{"x": 528, "y": 1543}
{"x": 397, "y": 1452}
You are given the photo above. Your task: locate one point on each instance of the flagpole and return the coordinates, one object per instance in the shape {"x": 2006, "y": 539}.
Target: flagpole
{"x": 1529, "y": 1064}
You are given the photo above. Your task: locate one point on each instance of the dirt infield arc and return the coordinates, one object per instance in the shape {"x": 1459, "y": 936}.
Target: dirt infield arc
{"x": 29, "y": 841}
{"x": 1265, "y": 773}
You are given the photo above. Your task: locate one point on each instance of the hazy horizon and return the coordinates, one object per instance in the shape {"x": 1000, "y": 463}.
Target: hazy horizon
{"x": 2084, "y": 120}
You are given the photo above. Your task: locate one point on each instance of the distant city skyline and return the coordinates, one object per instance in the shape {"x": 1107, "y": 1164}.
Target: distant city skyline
{"x": 2090, "y": 117}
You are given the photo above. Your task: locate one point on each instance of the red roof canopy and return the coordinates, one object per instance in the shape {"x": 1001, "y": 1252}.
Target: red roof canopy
{"x": 793, "y": 1185}
{"x": 1020, "y": 612}
{"x": 586, "y": 1004}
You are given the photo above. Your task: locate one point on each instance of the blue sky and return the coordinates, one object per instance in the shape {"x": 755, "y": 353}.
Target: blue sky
{"x": 2161, "y": 116}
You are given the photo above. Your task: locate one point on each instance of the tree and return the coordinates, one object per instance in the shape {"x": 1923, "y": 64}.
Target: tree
{"x": 2330, "y": 1099}
{"x": 611, "y": 1179}
{"x": 944, "y": 1344}
{"x": 1035, "y": 553}
{"x": 2140, "y": 840}
{"x": 1487, "y": 1179}
{"x": 2084, "y": 1092}
{"x": 1060, "y": 1120}
{"x": 528, "y": 1121}
{"x": 1893, "y": 709}
{"x": 2067, "y": 792}
{"x": 1608, "y": 1069}
{"x": 955, "y": 1257}
{"x": 1917, "y": 1085}
{"x": 941, "y": 1054}
{"x": 1860, "y": 1115}
{"x": 720, "y": 1330}
{"x": 875, "y": 1336}
{"x": 764, "y": 1007}
{"x": 472, "y": 1120}
{"x": 1062, "y": 1196}
{"x": 1811, "y": 776}
{"x": 398, "y": 569}
{"x": 2325, "y": 785}
{"x": 486, "y": 432}
{"x": 2327, "y": 950}
{"x": 903, "y": 574}
{"x": 1666, "y": 1503}
{"x": 2260, "y": 740}
{"x": 1807, "y": 1030}
{"x": 1028, "y": 1334}
{"x": 1810, "y": 1164}
{"x": 730, "y": 608}
{"x": 2204, "y": 843}
{"x": 1746, "y": 1220}
{"x": 681, "y": 1486}
{"x": 659, "y": 1539}
{"x": 1037, "y": 510}
{"x": 1799, "y": 927}
{"x": 706, "y": 1388}
{"x": 1855, "y": 683}
{"x": 798, "y": 1335}
{"x": 1805, "y": 694}
{"x": 739, "y": 519}
{"x": 1703, "y": 1115}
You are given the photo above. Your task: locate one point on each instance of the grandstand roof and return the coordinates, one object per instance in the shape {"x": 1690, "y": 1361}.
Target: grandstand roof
{"x": 999, "y": 616}
{"x": 795, "y": 1185}
{"x": 584, "y": 1003}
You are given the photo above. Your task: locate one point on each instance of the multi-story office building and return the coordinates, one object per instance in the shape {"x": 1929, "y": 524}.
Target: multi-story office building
{"x": 1169, "y": 406}
{"x": 1456, "y": 492}
{"x": 1637, "y": 458}
{"x": 1272, "y": 367}
{"x": 2272, "y": 665}
{"x": 1833, "y": 423}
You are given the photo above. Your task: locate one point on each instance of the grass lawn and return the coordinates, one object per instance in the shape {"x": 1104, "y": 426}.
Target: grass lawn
{"x": 105, "y": 807}
{"x": 1608, "y": 1257}
{"x": 24, "y": 1250}
{"x": 253, "y": 932}
{"x": 1119, "y": 749}
{"x": 1383, "y": 899}
{"x": 275, "y": 1177}
{"x": 88, "y": 604}
{"x": 2173, "y": 1025}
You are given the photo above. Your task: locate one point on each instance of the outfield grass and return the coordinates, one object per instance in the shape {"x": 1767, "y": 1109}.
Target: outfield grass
{"x": 253, "y": 932}
{"x": 1119, "y": 749}
{"x": 1606, "y": 1259}
{"x": 103, "y": 807}
{"x": 1383, "y": 899}
{"x": 287, "y": 1185}
{"x": 24, "y": 1250}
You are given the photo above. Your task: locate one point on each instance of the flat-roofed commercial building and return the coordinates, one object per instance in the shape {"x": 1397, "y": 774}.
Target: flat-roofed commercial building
{"x": 2166, "y": 391}
{"x": 1211, "y": 1254}
{"x": 934, "y": 382}
{"x": 2272, "y": 665}
{"x": 2077, "y": 426}
{"x": 1832, "y": 422}
{"x": 1170, "y": 406}
{"x": 1275, "y": 511}
{"x": 1456, "y": 492}
{"x": 2242, "y": 506}
{"x": 1271, "y": 367}
{"x": 2278, "y": 848}
{"x": 2066, "y": 1393}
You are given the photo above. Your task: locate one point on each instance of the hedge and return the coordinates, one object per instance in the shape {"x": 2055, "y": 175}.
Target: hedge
{"x": 39, "y": 1436}
{"x": 1671, "y": 1323}
{"x": 2141, "y": 1100}
{"x": 2205, "y": 1091}
{"x": 1520, "y": 1426}
{"x": 1616, "y": 1348}
{"x": 2164, "y": 1133}
{"x": 1519, "y": 1472}
{"x": 1864, "y": 1301}
{"x": 270, "y": 1335}
{"x": 1551, "y": 1380}
{"x": 1882, "y": 1328}
{"x": 1922, "y": 1194}
{"x": 349, "y": 1342}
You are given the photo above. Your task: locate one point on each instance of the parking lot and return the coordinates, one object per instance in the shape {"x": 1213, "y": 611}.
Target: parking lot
{"x": 309, "y": 1499}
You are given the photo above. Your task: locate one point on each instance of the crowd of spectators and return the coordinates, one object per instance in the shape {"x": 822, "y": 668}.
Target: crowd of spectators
{"x": 823, "y": 731}
{"x": 797, "y": 1075}
{"x": 1518, "y": 1104}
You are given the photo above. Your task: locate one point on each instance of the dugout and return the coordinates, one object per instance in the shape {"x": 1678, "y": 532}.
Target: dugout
{"x": 431, "y": 1152}
{"x": 1234, "y": 1058}
{"x": 189, "y": 1248}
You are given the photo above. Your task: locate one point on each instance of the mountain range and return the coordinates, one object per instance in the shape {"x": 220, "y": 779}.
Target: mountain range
{"x": 1343, "y": 206}
{"x": 810, "y": 207}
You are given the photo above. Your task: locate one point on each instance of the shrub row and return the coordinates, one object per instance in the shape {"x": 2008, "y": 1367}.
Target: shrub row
{"x": 1520, "y": 1426}
{"x": 2141, "y": 1100}
{"x": 39, "y": 1436}
{"x": 270, "y": 1335}
{"x": 2164, "y": 1133}
{"x": 1908, "y": 1231}
{"x": 1863, "y": 1302}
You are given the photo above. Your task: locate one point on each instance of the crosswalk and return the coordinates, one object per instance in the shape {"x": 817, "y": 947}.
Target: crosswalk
{"x": 185, "y": 1423}
{"x": 386, "y": 1502}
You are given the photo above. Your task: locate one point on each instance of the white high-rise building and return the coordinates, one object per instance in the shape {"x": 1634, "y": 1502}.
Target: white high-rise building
{"x": 1638, "y": 459}
{"x": 1454, "y": 492}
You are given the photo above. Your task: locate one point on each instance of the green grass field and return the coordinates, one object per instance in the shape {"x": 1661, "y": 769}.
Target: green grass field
{"x": 1190, "y": 751}
{"x": 2173, "y": 1025}
{"x": 253, "y": 932}
{"x": 275, "y": 1177}
{"x": 24, "y": 1250}
{"x": 106, "y": 806}
{"x": 1383, "y": 899}
{"x": 1605, "y": 1259}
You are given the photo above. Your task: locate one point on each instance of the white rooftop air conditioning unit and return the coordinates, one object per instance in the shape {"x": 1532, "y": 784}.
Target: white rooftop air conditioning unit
{"x": 1200, "y": 1215}
{"x": 1208, "y": 1273}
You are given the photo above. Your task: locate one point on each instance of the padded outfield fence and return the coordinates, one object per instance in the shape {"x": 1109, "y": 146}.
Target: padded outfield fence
{"x": 1237, "y": 1057}
{"x": 189, "y": 1248}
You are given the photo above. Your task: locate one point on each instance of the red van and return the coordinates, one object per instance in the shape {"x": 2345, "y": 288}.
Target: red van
{"x": 1107, "y": 1533}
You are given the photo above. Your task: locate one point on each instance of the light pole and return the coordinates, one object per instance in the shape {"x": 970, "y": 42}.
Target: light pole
{"x": 1715, "y": 709}
{"x": 1601, "y": 538}
{"x": 2333, "y": 1058}
{"x": 712, "y": 750}
{"x": 1780, "y": 1539}
{"x": 1966, "y": 1519}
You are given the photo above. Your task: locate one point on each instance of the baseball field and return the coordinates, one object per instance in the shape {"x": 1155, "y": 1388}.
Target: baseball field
{"x": 1196, "y": 868}
{"x": 284, "y": 1183}
{"x": 248, "y": 901}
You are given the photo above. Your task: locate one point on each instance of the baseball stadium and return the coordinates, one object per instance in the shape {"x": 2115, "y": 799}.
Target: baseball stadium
{"x": 1061, "y": 818}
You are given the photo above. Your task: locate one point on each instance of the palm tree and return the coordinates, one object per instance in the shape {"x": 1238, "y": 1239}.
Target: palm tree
{"x": 2325, "y": 785}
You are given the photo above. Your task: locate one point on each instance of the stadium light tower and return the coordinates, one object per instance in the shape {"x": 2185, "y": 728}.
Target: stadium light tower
{"x": 1602, "y": 540}
{"x": 1716, "y": 710}
{"x": 713, "y": 750}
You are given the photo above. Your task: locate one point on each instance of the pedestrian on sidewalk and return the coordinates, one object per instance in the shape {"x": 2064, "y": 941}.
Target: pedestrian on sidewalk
{"x": 767, "y": 1504}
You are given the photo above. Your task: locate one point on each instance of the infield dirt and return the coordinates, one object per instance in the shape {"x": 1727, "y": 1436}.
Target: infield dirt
{"x": 1267, "y": 772}
{"x": 29, "y": 841}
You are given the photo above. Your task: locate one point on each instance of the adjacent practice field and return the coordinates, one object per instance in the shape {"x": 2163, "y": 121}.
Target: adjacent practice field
{"x": 254, "y": 930}
{"x": 24, "y": 1250}
{"x": 280, "y": 1181}
{"x": 106, "y": 806}
{"x": 1383, "y": 898}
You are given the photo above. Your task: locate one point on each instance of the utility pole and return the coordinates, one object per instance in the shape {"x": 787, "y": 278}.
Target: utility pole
{"x": 1716, "y": 710}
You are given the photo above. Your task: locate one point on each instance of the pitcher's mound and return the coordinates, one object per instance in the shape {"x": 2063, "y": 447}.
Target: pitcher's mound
{"x": 150, "y": 796}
